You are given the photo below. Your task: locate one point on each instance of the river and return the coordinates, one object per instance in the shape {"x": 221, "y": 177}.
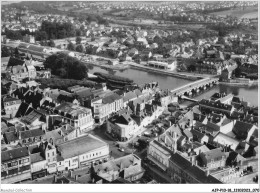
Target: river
{"x": 249, "y": 94}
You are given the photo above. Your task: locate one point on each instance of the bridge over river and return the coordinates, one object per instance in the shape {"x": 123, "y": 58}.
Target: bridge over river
{"x": 194, "y": 87}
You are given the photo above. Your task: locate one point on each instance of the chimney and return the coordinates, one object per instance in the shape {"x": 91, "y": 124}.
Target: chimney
{"x": 207, "y": 172}
{"x": 71, "y": 173}
{"x": 191, "y": 160}
{"x": 175, "y": 135}
{"x": 54, "y": 179}
{"x": 19, "y": 135}
{"x": 121, "y": 166}
{"x": 175, "y": 147}
{"x": 165, "y": 139}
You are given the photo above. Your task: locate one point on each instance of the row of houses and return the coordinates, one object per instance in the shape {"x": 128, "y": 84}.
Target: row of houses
{"x": 206, "y": 147}
{"x": 36, "y": 161}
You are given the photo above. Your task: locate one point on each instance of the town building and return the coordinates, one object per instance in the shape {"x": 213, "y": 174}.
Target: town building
{"x": 103, "y": 107}
{"x": 127, "y": 167}
{"x": 162, "y": 65}
{"x": 75, "y": 115}
{"x": 83, "y": 151}
{"x": 11, "y": 106}
{"x": 15, "y": 165}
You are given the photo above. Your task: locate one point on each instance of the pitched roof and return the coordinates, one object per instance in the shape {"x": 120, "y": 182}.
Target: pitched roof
{"x": 197, "y": 135}
{"x": 36, "y": 157}
{"x": 31, "y": 133}
{"x": 111, "y": 98}
{"x": 192, "y": 170}
{"x": 22, "y": 109}
{"x": 15, "y": 62}
{"x": 14, "y": 154}
{"x": 129, "y": 95}
{"x": 226, "y": 140}
{"x": 215, "y": 154}
{"x": 241, "y": 129}
{"x": 188, "y": 133}
{"x": 31, "y": 117}
{"x": 72, "y": 109}
{"x": 199, "y": 117}
{"x": 10, "y": 136}
{"x": 123, "y": 119}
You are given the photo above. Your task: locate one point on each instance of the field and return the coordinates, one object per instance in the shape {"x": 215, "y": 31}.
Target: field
{"x": 251, "y": 12}
{"x": 91, "y": 11}
{"x": 65, "y": 8}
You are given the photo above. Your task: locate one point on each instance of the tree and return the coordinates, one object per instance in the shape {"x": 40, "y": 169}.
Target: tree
{"x": 51, "y": 43}
{"x": 5, "y": 52}
{"x": 237, "y": 72}
{"x": 78, "y": 40}
{"x": 66, "y": 67}
{"x": 80, "y": 48}
{"x": 16, "y": 52}
{"x": 192, "y": 68}
{"x": 78, "y": 32}
{"x": 40, "y": 35}
{"x": 71, "y": 46}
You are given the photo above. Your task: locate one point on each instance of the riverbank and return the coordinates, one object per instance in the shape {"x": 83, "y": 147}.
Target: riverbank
{"x": 249, "y": 83}
{"x": 163, "y": 72}
{"x": 109, "y": 67}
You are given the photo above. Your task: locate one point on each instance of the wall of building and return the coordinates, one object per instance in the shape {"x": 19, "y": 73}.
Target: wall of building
{"x": 94, "y": 155}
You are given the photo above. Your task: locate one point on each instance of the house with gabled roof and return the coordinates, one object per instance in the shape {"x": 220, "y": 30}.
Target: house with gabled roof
{"x": 213, "y": 159}
{"x": 243, "y": 131}
{"x": 15, "y": 165}
{"x": 11, "y": 106}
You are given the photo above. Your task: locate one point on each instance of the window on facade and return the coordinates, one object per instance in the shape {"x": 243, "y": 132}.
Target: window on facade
{"x": 99, "y": 153}
{"x": 93, "y": 154}
{"x": 53, "y": 153}
{"x": 75, "y": 160}
{"x": 96, "y": 153}
{"x": 14, "y": 163}
{"x": 48, "y": 155}
{"x": 9, "y": 164}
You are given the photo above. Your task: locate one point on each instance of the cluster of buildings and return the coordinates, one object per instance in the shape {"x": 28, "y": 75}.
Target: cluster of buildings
{"x": 209, "y": 143}
{"x": 136, "y": 44}
{"x": 45, "y": 131}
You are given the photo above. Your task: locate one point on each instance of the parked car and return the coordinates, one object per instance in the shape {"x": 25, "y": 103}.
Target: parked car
{"x": 121, "y": 149}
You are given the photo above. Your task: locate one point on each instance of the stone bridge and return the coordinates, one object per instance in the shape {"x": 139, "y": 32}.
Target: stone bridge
{"x": 194, "y": 87}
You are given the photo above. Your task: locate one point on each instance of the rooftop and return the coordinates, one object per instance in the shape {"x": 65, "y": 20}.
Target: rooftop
{"x": 72, "y": 109}
{"x": 80, "y": 146}
{"x": 14, "y": 154}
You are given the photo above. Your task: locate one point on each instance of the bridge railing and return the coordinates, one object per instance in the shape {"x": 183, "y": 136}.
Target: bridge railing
{"x": 194, "y": 84}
